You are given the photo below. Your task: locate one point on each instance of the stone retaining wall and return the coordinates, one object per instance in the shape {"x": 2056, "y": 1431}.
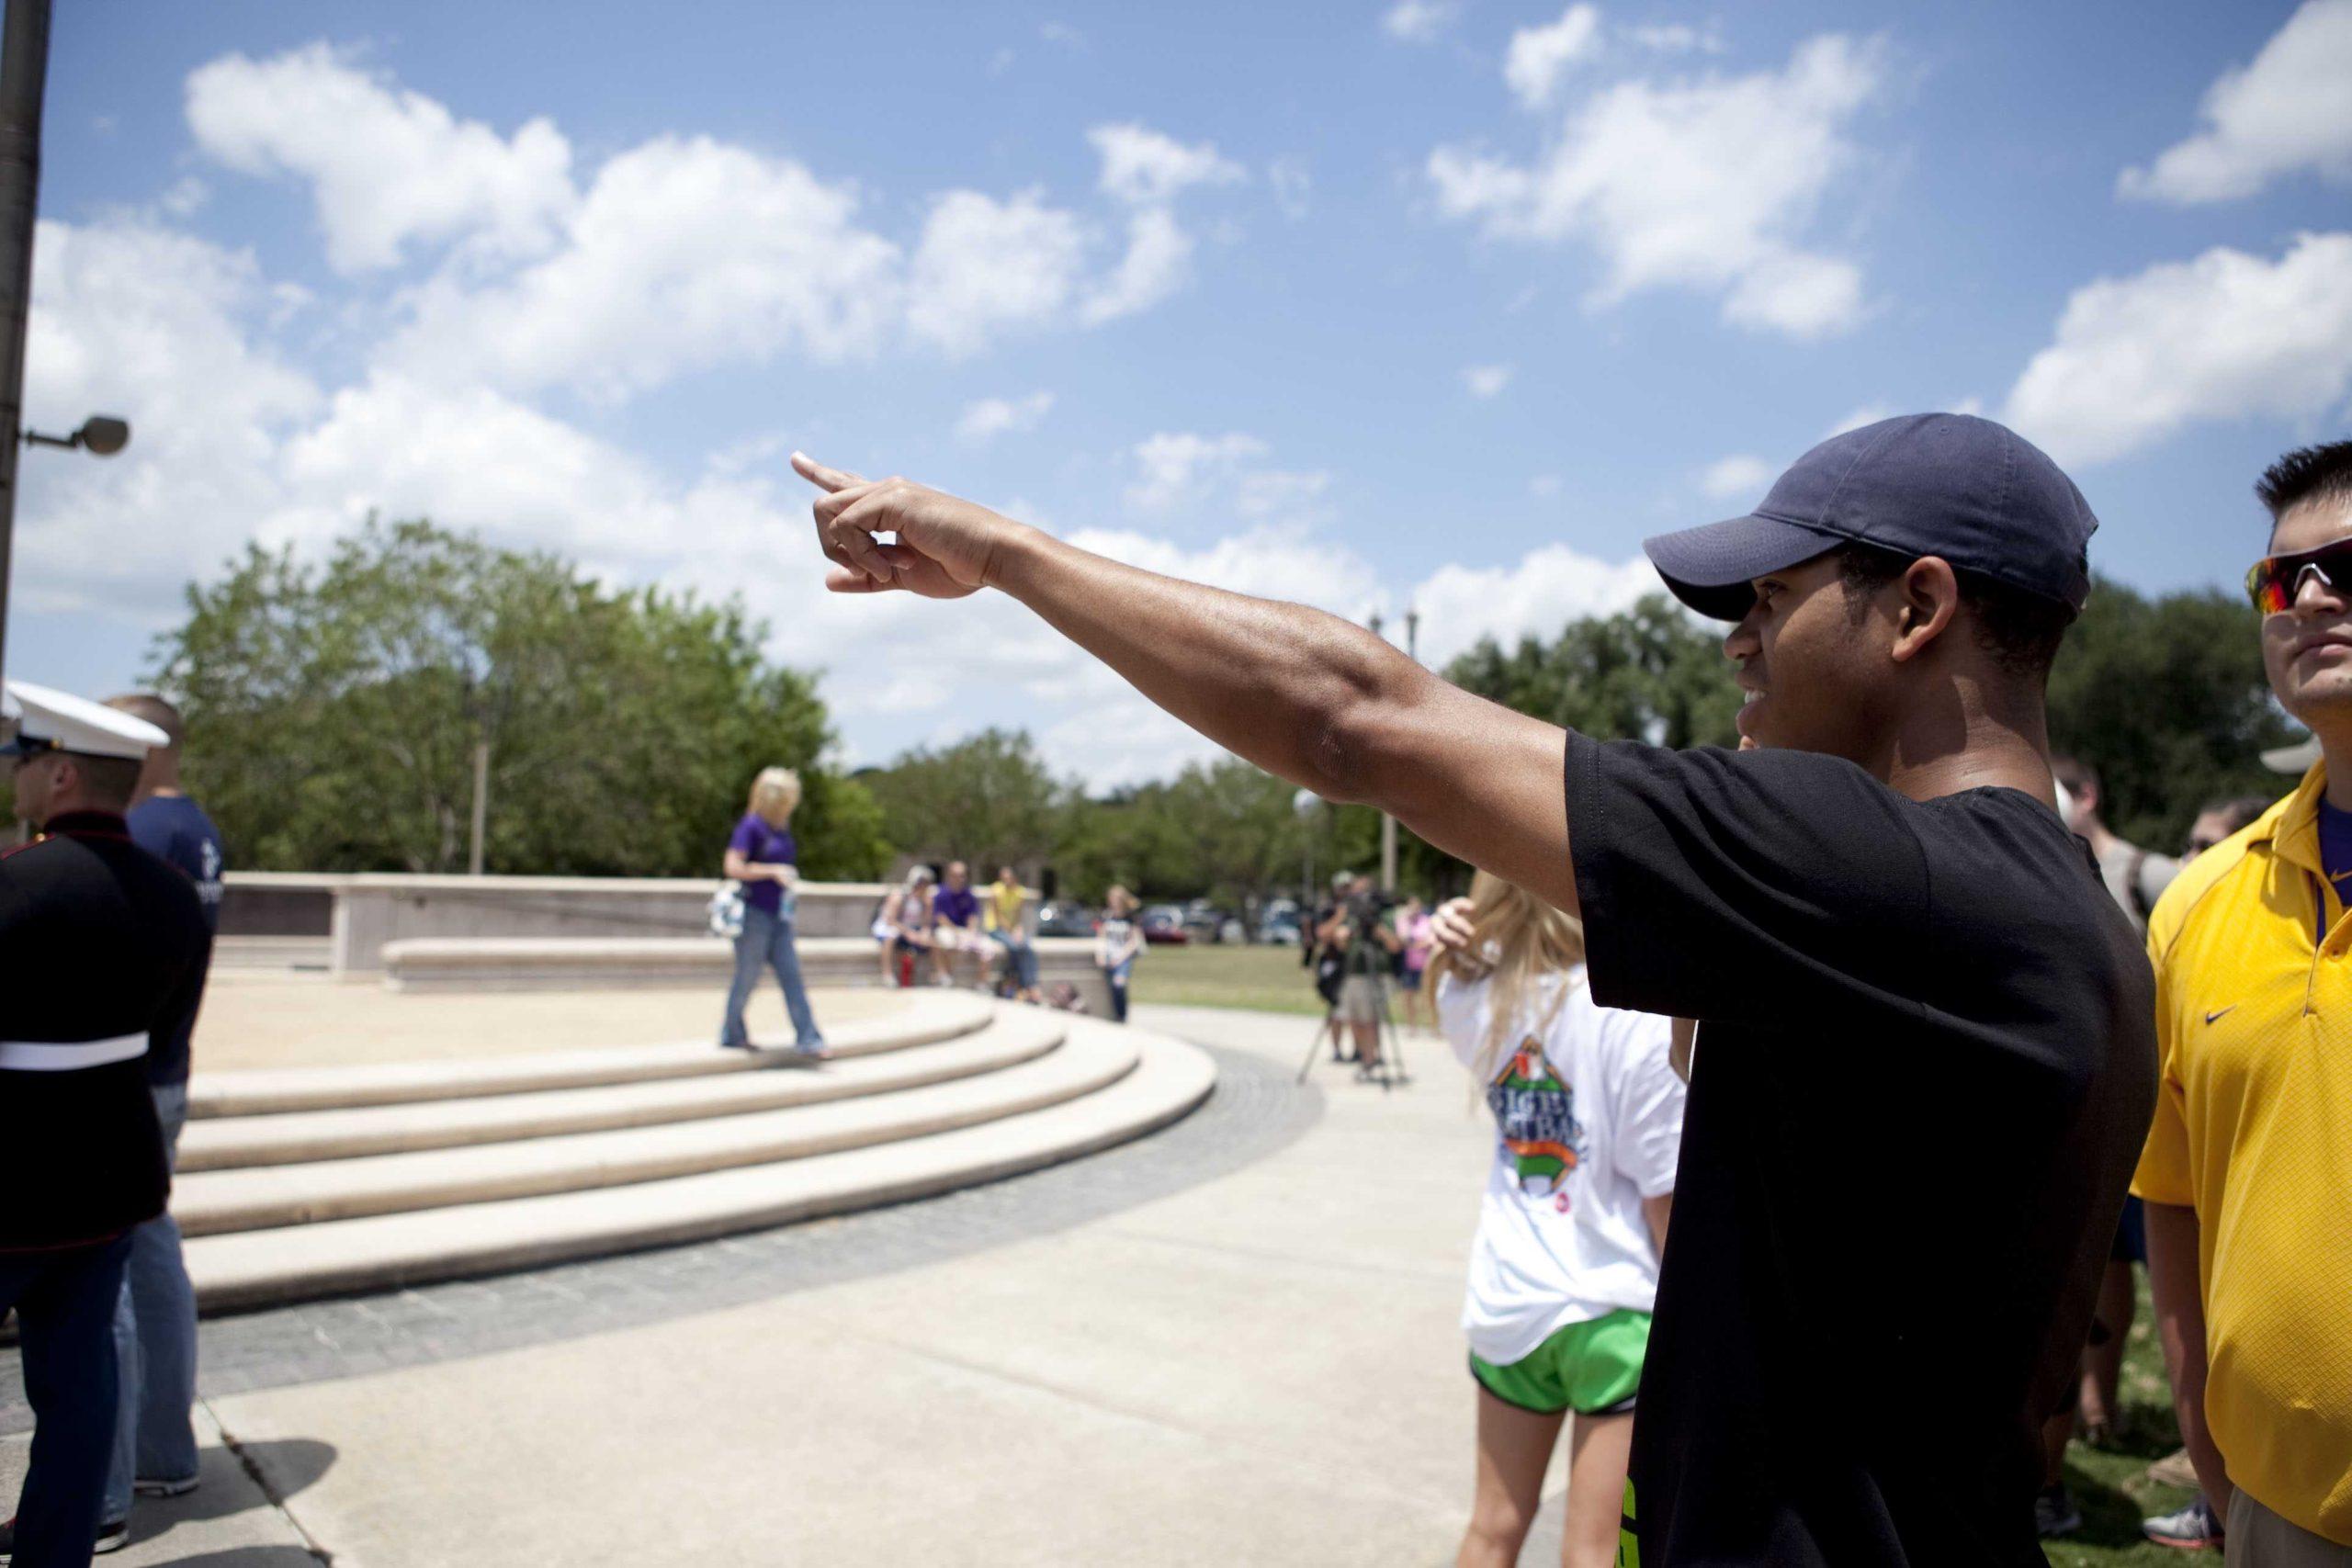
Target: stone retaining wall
{"x": 548, "y": 964}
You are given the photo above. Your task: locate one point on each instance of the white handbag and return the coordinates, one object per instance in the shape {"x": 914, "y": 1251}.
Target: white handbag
{"x": 726, "y": 912}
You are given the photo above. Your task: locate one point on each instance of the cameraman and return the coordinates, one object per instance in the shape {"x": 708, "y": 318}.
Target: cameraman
{"x": 1325, "y": 959}
{"x": 1367, "y": 951}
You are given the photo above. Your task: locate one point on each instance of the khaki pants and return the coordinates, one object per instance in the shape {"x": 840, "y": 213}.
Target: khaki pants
{"x": 2260, "y": 1538}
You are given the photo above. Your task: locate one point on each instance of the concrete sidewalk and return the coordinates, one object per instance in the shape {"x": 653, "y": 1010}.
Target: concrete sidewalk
{"x": 1264, "y": 1367}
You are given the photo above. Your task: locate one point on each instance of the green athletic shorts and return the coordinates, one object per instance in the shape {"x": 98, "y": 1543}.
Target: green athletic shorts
{"x": 1593, "y": 1368}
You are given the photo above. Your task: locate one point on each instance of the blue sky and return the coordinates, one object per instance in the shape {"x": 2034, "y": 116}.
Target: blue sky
{"x": 1429, "y": 304}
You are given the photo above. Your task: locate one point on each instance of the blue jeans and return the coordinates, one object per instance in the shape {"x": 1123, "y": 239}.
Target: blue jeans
{"x": 1020, "y": 958}
{"x": 154, "y": 1338}
{"x": 1117, "y": 975}
{"x": 767, "y": 939}
{"x": 65, "y": 1302}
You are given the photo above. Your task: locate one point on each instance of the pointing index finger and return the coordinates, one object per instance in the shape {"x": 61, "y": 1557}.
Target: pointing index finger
{"x": 823, "y": 477}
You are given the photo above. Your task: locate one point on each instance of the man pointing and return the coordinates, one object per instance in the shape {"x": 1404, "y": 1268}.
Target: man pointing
{"x": 1926, "y": 1049}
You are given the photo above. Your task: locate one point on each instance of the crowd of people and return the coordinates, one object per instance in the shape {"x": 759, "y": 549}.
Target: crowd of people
{"x": 1929, "y": 1050}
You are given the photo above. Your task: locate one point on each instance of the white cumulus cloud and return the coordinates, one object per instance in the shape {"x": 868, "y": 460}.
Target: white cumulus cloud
{"x": 1420, "y": 21}
{"x": 1539, "y": 57}
{"x": 991, "y": 417}
{"x": 164, "y": 329}
{"x": 684, "y": 253}
{"x": 385, "y": 166}
{"x": 1170, "y": 462}
{"x": 2290, "y": 111}
{"x": 2224, "y": 336}
{"x": 1710, "y": 184}
{"x": 1158, "y": 258}
{"x": 986, "y": 265}
{"x": 1485, "y": 380}
{"x": 1740, "y": 476}
{"x": 1550, "y": 586}
{"x": 1143, "y": 166}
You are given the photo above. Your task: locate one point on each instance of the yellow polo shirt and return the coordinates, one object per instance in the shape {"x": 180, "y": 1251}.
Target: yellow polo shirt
{"x": 2254, "y": 1131}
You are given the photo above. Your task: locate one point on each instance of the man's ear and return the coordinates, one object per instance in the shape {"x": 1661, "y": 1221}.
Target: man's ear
{"x": 1927, "y": 599}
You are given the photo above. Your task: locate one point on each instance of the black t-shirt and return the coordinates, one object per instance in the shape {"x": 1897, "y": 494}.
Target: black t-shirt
{"x": 1924, "y": 1067}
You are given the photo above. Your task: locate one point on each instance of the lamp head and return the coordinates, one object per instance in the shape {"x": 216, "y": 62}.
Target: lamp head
{"x": 103, "y": 434}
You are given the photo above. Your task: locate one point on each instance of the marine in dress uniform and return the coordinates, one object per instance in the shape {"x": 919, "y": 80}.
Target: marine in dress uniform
{"x": 101, "y": 946}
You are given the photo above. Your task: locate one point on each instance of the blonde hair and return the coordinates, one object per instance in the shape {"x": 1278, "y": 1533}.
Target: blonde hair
{"x": 776, "y": 795}
{"x": 1518, "y": 940}
{"x": 1119, "y": 901}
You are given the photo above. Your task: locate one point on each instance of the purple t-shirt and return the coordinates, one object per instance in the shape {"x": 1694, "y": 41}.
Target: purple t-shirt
{"x": 772, "y": 846}
{"x": 956, "y": 906}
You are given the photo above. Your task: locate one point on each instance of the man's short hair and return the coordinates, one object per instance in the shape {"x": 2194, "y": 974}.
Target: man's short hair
{"x": 155, "y": 711}
{"x": 2307, "y": 473}
{"x": 2020, "y": 630}
{"x": 2079, "y": 777}
{"x": 2235, "y": 812}
{"x": 108, "y": 781}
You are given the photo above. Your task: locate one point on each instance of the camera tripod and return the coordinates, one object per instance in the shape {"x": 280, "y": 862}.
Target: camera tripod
{"x": 1390, "y": 1072}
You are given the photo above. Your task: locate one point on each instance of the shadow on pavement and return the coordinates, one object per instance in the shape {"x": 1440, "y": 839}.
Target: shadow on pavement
{"x": 250, "y": 1557}
{"x": 286, "y": 1467}
{"x": 290, "y": 1464}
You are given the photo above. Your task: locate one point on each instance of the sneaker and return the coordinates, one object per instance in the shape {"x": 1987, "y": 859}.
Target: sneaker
{"x": 113, "y": 1535}
{"x": 813, "y": 1051}
{"x": 2173, "y": 1470}
{"x": 2054, "y": 1512}
{"x": 149, "y": 1486}
{"x": 737, "y": 1045}
{"x": 2192, "y": 1529}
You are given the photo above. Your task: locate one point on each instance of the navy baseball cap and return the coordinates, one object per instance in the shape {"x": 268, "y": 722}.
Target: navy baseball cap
{"x": 1974, "y": 492}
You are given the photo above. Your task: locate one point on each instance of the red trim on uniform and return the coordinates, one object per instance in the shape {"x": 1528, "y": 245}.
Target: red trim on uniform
{"x": 71, "y": 1245}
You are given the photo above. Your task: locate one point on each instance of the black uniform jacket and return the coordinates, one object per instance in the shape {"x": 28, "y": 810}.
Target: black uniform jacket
{"x": 102, "y": 948}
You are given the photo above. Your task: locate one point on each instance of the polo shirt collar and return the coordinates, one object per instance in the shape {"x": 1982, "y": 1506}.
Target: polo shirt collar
{"x": 2294, "y": 830}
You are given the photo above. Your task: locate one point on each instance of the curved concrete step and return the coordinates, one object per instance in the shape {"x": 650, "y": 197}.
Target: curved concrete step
{"x": 258, "y": 1268}
{"x": 266, "y": 1196}
{"x": 928, "y": 1016}
{"x": 301, "y": 1136}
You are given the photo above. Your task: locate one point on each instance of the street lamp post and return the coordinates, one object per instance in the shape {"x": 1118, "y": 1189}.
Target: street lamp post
{"x": 24, "y": 76}
{"x": 1389, "y": 823}
{"x": 1305, "y": 803}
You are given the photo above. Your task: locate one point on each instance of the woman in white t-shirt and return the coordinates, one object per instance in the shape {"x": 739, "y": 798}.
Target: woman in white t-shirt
{"x": 1563, "y": 1271}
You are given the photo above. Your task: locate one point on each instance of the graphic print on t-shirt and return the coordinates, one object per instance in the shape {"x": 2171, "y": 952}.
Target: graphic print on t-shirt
{"x": 1537, "y": 1114}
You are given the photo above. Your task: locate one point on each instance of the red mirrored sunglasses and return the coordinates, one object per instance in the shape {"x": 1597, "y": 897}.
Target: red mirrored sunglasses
{"x": 2275, "y": 579}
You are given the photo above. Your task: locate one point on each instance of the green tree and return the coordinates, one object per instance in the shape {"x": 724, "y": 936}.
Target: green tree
{"x": 1646, "y": 674}
{"x": 986, "y": 799}
{"x": 335, "y": 710}
{"x": 2166, "y": 698}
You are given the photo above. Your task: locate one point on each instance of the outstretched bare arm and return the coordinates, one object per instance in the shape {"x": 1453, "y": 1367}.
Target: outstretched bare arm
{"x": 1302, "y": 694}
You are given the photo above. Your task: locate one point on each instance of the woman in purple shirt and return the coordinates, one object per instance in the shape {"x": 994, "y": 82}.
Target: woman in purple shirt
{"x": 763, "y": 857}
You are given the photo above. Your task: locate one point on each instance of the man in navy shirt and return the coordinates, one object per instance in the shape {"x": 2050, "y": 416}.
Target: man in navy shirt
{"x": 155, "y": 1329}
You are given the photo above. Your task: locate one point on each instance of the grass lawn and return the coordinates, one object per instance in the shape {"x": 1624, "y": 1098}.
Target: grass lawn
{"x": 2111, "y": 1487}
{"x": 1226, "y": 975}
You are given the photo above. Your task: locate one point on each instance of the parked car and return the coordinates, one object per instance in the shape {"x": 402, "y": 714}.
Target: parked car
{"x": 1163, "y": 924}
{"x": 1279, "y": 931}
{"x": 1060, "y": 919}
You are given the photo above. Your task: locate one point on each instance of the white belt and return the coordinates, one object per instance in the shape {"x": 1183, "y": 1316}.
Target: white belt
{"x": 55, "y": 1056}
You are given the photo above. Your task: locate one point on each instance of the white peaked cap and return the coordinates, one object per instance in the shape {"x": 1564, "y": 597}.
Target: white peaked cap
{"x": 78, "y": 724}
{"x": 2295, "y": 758}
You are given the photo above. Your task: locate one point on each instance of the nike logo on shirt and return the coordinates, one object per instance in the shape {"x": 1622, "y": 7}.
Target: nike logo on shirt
{"x": 2211, "y": 1016}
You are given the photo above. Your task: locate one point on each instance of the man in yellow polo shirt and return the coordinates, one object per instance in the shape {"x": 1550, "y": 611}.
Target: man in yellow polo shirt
{"x": 2247, "y": 1175}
